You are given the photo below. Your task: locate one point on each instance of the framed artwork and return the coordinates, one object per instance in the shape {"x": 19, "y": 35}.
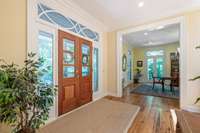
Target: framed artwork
{"x": 124, "y": 63}
{"x": 139, "y": 63}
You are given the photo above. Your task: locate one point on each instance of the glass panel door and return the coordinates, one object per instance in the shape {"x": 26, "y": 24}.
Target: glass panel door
{"x": 160, "y": 66}
{"x": 155, "y": 64}
{"x": 74, "y": 72}
{"x": 150, "y": 68}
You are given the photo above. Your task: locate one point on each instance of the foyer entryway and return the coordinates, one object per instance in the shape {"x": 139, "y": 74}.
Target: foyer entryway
{"x": 74, "y": 72}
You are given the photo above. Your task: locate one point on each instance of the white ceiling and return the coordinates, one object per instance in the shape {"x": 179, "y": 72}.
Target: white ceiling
{"x": 122, "y": 13}
{"x": 152, "y": 37}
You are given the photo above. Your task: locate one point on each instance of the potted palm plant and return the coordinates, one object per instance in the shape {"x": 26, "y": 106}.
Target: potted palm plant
{"x": 137, "y": 75}
{"x": 25, "y": 100}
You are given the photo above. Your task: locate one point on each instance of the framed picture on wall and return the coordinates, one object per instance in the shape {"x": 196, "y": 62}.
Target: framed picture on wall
{"x": 139, "y": 63}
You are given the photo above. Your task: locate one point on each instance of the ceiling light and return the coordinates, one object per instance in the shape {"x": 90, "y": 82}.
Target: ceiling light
{"x": 160, "y": 27}
{"x": 141, "y": 4}
{"x": 146, "y": 33}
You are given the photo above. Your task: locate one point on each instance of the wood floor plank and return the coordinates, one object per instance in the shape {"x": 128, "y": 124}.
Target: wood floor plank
{"x": 154, "y": 115}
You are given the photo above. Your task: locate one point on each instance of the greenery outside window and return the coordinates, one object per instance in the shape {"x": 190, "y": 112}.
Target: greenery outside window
{"x": 45, "y": 46}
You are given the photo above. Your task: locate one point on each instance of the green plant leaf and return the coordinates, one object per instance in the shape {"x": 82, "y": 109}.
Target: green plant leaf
{"x": 196, "y": 78}
{"x": 21, "y": 91}
{"x": 198, "y": 99}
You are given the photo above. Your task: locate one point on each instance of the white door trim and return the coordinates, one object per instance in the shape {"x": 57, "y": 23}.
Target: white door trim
{"x": 34, "y": 24}
{"x": 183, "y": 53}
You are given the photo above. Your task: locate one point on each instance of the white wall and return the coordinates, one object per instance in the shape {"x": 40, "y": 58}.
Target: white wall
{"x": 193, "y": 59}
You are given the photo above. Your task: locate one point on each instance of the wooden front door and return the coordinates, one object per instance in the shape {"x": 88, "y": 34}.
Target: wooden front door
{"x": 74, "y": 72}
{"x": 86, "y": 71}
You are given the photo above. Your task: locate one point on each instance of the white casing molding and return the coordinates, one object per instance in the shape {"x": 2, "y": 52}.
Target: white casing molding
{"x": 69, "y": 9}
{"x": 183, "y": 54}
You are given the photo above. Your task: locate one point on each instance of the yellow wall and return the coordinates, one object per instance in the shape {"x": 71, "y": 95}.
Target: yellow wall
{"x": 111, "y": 63}
{"x": 193, "y": 55}
{"x": 13, "y": 30}
{"x": 139, "y": 55}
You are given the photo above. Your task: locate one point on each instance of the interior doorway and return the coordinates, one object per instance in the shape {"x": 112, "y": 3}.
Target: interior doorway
{"x": 175, "y": 56}
{"x": 74, "y": 72}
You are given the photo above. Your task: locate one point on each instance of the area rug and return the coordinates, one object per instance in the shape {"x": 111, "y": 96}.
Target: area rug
{"x": 146, "y": 89}
{"x": 102, "y": 116}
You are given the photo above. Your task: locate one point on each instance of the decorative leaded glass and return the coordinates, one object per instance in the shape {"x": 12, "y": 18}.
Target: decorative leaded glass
{"x": 52, "y": 16}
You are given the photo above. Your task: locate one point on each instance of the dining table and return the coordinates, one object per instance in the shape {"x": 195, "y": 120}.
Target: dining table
{"x": 162, "y": 81}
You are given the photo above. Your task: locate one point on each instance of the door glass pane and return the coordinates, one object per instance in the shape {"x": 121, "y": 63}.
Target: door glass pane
{"x": 68, "y": 45}
{"x": 68, "y": 58}
{"x": 95, "y": 70}
{"x": 85, "y": 59}
{"x": 150, "y": 68}
{"x": 45, "y": 44}
{"x": 85, "y": 49}
{"x": 68, "y": 71}
{"x": 85, "y": 54}
{"x": 85, "y": 71}
{"x": 160, "y": 66}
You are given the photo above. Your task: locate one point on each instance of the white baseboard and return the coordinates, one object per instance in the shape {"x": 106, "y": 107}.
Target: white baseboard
{"x": 192, "y": 108}
{"x": 99, "y": 96}
{"x": 112, "y": 94}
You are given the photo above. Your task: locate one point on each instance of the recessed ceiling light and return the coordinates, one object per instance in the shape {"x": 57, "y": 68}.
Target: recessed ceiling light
{"x": 146, "y": 33}
{"x": 141, "y": 4}
{"x": 160, "y": 27}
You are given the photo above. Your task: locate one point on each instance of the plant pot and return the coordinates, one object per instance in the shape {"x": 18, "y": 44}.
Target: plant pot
{"x": 136, "y": 80}
{"x": 27, "y": 130}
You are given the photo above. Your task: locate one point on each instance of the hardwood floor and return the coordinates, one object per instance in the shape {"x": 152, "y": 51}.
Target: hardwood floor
{"x": 154, "y": 115}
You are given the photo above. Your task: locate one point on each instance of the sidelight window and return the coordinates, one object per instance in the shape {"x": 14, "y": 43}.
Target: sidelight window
{"x": 45, "y": 41}
{"x": 96, "y": 70}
